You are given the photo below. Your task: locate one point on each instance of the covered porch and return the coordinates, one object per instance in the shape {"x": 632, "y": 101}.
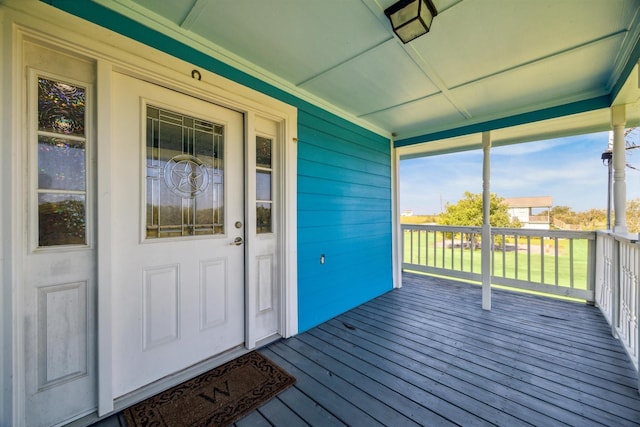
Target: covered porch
{"x": 343, "y": 100}
{"x": 426, "y": 354}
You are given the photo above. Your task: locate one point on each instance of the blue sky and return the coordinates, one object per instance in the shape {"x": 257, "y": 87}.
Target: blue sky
{"x": 568, "y": 169}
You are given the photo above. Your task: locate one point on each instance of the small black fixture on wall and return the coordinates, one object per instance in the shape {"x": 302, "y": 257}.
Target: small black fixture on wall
{"x": 411, "y": 18}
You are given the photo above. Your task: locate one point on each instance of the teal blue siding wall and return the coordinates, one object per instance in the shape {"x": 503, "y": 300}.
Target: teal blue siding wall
{"x": 344, "y": 186}
{"x": 344, "y": 213}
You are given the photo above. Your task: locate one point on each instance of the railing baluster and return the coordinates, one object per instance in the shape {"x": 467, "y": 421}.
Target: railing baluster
{"x": 571, "y": 263}
{"x": 556, "y": 248}
{"x": 493, "y": 253}
{"x": 411, "y": 255}
{"x": 453, "y": 244}
{"x": 472, "y": 249}
{"x": 404, "y": 243}
{"x": 472, "y": 245}
{"x": 528, "y": 258}
{"x": 516, "y": 252}
{"x": 461, "y": 251}
{"x": 505, "y": 254}
{"x": 426, "y": 247}
{"x": 435, "y": 240}
{"x": 542, "y": 260}
{"x": 419, "y": 245}
{"x": 444, "y": 250}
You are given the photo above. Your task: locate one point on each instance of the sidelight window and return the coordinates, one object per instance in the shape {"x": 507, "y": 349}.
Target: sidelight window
{"x": 62, "y": 163}
{"x": 264, "y": 184}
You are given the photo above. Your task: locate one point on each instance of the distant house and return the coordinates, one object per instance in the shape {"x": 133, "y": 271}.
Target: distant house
{"x": 407, "y": 213}
{"x": 532, "y": 212}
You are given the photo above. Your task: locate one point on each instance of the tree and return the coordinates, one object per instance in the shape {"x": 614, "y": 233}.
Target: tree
{"x": 592, "y": 219}
{"x": 561, "y": 212}
{"x": 633, "y": 215}
{"x": 468, "y": 212}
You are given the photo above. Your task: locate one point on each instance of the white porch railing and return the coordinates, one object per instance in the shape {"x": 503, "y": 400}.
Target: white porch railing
{"x": 554, "y": 262}
{"x": 618, "y": 288}
{"x": 599, "y": 267}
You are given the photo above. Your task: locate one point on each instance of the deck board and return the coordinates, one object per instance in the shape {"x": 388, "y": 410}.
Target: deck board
{"x": 314, "y": 414}
{"x": 328, "y": 391}
{"x": 430, "y": 389}
{"x": 469, "y": 375}
{"x": 587, "y": 366}
{"x": 277, "y": 413}
{"x": 480, "y": 362}
{"x": 427, "y": 354}
{"x": 438, "y": 358}
{"x": 384, "y": 391}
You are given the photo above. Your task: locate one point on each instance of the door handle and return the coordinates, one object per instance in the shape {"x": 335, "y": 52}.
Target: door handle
{"x": 237, "y": 241}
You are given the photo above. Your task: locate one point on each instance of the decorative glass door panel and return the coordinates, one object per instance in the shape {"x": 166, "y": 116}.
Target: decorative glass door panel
{"x": 62, "y": 161}
{"x": 185, "y": 175}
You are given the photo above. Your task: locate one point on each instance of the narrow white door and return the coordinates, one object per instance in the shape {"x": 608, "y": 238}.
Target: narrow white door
{"x": 178, "y": 252}
{"x": 58, "y": 286}
{"x": 263, "y": 274}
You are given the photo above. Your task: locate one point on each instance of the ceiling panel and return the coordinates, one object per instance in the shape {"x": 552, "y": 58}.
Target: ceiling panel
{"x": 427, "y": 113}
{"x": 296, "y": 40}
{"x": 475, "y": 39}
{"x": 558, "y": 80}
{"x": 378, "y": 79}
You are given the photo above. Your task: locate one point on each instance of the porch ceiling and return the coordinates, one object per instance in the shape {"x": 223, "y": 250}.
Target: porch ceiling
{"x": 483, "y": 61}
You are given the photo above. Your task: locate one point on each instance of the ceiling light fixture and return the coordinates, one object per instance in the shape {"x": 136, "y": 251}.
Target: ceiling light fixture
{"x": 411, "y": 18}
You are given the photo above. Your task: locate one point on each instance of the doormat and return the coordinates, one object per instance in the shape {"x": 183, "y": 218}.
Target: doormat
{"x": 216, "y": 398}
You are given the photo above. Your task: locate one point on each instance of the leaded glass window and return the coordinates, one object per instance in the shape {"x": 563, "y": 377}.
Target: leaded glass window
{"x": 62, "y": 159}
{"x": 264, "y": 181}
{"x": 185, "y": 175}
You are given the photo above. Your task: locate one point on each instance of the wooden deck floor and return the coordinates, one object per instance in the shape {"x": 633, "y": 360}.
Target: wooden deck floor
{"x": 427, "y": 354}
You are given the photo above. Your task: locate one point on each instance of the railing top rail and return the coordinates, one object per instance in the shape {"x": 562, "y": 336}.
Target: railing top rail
{"x": 629, "y": 238}
{"x": 444, "y": 228}
{"x": 566, "y": 234}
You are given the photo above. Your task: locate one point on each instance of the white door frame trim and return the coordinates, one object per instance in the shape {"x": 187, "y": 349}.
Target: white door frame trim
{"x": 38, "y": 21}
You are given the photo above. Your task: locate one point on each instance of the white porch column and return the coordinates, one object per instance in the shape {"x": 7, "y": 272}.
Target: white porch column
{"x": 396, "y": 248}
{"x": 618, "y": 122}
{"x": 486, "y": 225}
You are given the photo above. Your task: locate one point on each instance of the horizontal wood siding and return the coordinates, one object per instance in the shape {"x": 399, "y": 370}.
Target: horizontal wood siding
{"x": 344, "y": 212}
{"x": 344, "y": 186}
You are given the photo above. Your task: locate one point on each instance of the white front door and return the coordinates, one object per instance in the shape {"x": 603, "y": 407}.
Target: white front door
{"x": 178, "y": 232}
